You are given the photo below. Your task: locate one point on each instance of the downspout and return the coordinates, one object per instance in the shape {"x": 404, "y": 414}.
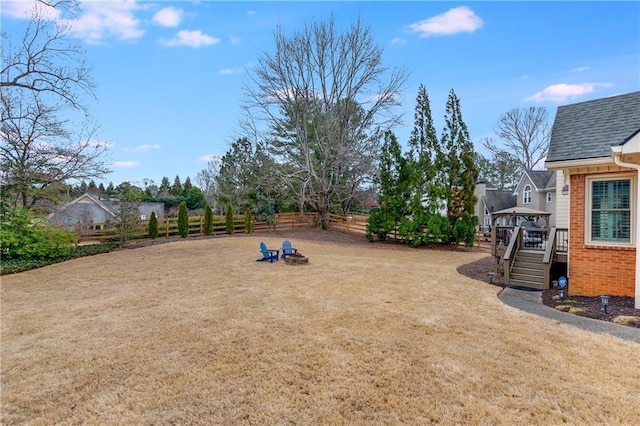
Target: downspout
{"x": 617, "y": 154}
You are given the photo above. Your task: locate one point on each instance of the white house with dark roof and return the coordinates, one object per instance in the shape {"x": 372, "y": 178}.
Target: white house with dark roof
{"x": 595, "y": 148}
{"x": 91, "y": 209}
{"x": 536, "y": 190}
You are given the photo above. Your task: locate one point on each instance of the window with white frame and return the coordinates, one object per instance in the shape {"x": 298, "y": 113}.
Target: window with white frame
{"x": 526, "y": 195}
{"x": 548, "y": 197}
{"x": 609, "y": 209}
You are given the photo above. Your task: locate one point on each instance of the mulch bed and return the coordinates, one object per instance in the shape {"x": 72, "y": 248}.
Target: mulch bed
{"x": 590, "y": 307}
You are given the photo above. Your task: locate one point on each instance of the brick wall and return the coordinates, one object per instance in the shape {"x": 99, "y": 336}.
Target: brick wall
{"x": 595, "y": 270}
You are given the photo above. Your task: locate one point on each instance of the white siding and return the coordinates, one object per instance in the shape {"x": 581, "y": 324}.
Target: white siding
{"x": 562, "y": 202}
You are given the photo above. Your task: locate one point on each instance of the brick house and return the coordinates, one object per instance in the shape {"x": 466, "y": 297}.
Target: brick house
{"x": 595, "y": 148}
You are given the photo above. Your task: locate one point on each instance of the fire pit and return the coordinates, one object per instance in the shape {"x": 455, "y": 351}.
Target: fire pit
{"x": 296, "y": 259}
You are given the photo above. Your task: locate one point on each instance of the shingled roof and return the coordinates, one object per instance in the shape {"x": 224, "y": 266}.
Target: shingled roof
{"x": 589, "y": 129}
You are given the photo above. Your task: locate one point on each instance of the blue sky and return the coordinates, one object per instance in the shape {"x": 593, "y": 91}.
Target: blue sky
{"x": 170, "y": 74}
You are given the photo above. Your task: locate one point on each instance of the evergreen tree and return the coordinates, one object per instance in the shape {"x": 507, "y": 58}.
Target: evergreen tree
{"x": 101, "y": 188}
{"x": 183, "y": 220}
{"x": 460, "y": 174}
{"x": 153, "y": 225}
{"x": 394, "y": 188}
{"x": 248, "y": 221}
{"x": 229, "y": 225}
{"x": 165, "y": 186}
{"x": 186, "y": 187}
{"x": 110, "y": 189}
{"x": 176, "y": 188}
{"x": 208, "y": 220}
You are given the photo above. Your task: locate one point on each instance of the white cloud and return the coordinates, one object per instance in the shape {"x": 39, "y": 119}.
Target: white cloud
{"x": 234, "y": 40}
{"x": 251, "y": 12}
{"x": 458, "y": 20}
{"x": 191, "y": 39}
{"x": 563, "y": 91}
{"x": 229, "y": 71}
{"x": 398, "y": 40}
{"x": 580, "y": 69}
{"x": 168, "y": 17}
{"x": 100, "y": 20}
{"x": 24, "y": 9}
{"x": 142, "y": 148}
{"x": 125, "y": 164}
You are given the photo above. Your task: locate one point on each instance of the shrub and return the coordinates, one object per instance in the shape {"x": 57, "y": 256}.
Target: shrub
{"x": 27, "y": 238}
{"x": 208, "y": 220}
{"x": 153, "y": 225}
{"x": 229, "y": 226}
{"x": 248, "y": 221}
{"x": 183, "y": 220}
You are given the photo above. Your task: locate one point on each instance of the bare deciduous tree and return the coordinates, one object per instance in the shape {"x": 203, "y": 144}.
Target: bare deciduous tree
{"x": 524, "y": 134}
{"x": 39, "y": 151}
{"x": 43, "y": 78}
{"x": 326, "y": 96}
{"x": 47, "y": 60}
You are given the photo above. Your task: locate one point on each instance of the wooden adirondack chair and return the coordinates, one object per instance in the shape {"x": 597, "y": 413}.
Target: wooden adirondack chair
{"x": 268, "y": 254}
{"x": 287, "y": 250}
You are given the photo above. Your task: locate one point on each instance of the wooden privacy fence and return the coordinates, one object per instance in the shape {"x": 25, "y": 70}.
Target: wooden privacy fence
{"x": 352, "y": 223}
{"x": 168, "y": 227}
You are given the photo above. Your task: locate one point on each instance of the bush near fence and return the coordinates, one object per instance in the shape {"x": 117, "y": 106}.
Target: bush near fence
{"x": 352, "y": 223}
{"x": 168, "y": 228}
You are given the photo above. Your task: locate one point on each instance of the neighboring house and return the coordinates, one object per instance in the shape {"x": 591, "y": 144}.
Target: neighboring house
{"x": 491, "y": 199}
{"x": 596, "y": 146}
{"x": 90, "y": 209}
{"x": 536, "y": 190}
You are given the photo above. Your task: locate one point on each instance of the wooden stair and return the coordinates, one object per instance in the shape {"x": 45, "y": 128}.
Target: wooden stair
{"x": 528, "y": 269}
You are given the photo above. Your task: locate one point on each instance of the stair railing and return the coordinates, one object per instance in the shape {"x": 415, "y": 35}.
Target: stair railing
{"x": 510, "y": 253}
{"x": 549, "y": 253}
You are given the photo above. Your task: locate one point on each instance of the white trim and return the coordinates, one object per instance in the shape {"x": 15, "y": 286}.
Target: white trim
{"x": 585, "y": 162}
{"x": 588, "y": 192}
{"x": 524, "y": 194}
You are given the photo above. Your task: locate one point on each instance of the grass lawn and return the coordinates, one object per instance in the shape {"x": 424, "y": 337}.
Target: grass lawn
{"x": 196, "y": 331}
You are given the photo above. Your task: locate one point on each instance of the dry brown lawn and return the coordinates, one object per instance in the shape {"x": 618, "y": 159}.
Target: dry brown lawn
{"x": 196, "y": 331}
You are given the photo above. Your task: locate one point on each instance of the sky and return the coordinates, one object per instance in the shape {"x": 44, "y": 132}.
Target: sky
{"x": 171, "y": 75}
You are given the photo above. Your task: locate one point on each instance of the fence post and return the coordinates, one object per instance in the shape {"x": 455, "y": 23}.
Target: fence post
{"x": 201, "y": 226}
{"x": 166, "y": 227}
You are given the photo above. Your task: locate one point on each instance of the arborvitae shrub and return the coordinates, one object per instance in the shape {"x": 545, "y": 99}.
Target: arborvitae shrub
{"x": 153, "y": 225}
{"x": 248, "y": 221}
{"x": 229, "y": 220}
{"x": 208, "y": 221}
{"x": 183, "y": 220}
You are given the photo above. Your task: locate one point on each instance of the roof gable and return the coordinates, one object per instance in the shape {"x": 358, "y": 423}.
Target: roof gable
{"x": 589, "y": 129}
{"x": 540, "y": 179}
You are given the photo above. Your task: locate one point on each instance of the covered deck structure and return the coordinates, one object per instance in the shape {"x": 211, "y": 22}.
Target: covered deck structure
{"x": 530, "y": 251}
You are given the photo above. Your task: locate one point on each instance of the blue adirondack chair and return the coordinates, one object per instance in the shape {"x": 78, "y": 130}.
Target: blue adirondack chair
{"x": 287, "y": 250}
{"x": 268, "y": 254}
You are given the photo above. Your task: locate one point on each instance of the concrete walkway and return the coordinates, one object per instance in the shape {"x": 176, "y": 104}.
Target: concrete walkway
{"x": 531, "y": 301}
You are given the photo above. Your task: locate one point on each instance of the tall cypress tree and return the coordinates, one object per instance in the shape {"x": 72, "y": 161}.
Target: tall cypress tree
{"x": 460, "y": 174}
{"x": 208, "y": 220}
{"x": 183, "y": 220}
{"x": 394, "y": 188}
{"x": 153, "y": 225}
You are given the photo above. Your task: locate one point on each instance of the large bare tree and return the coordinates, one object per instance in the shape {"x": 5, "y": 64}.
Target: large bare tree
{"x": 46, "y": 134}
{"x": 46, "y": 59}
{"x": 522, "y": 133}
{"x": 325, "y": 96}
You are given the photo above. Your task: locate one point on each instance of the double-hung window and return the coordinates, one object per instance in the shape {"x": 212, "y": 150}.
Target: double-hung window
{"x": 610, "y": 210}
{"x": 526, "y": 195}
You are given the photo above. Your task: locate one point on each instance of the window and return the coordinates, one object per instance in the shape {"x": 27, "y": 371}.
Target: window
{"x": 526, "y": 196}
{"x": 143, "y": 217}
{"x": 610, "y": 210}
{"x": 548, "y": 197}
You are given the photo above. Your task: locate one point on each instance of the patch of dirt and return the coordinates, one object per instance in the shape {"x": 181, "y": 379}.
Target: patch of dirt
{"x": 590, "y": 307}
